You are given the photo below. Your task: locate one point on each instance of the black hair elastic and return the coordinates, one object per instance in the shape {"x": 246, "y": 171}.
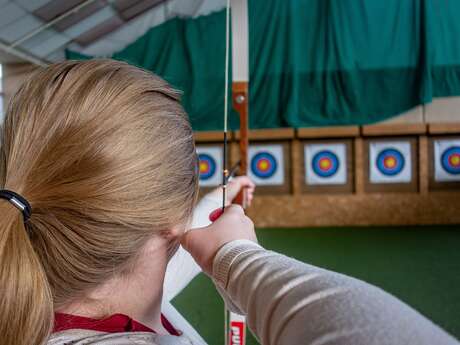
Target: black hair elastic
{"x": 18, "y": 201}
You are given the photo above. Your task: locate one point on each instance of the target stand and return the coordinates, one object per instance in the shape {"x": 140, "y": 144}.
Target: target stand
{"x": 444, "y": 163}
{"x": 269, "y": 167}
{"x": 391, "y": 164}
{"x": 269, "y": 160}
{"x": 327, "y": 166}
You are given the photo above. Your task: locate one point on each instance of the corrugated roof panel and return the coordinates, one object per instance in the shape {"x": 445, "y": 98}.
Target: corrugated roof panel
{"x": 99, "y": 31}
{"x": 138, "y": 8}
{"x": 55, "y": 8}
{"x": 10, "y": 13}
{"x": 83, "y": 13}
{"x": 31, "y": 5}
{"x": 90, "y": 22}
{"x": 126, "y": 34}
{"x": 57, "y": 55}
{"x": 103, "y": 47}
{"x": 122, "y": 5}
{"x": 50, "y": 45}
{"x": 20, "y": 28}
{"x": 38, "y": 38}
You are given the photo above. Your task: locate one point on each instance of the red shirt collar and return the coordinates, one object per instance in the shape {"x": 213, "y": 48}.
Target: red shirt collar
{"x": 113, "y": 324}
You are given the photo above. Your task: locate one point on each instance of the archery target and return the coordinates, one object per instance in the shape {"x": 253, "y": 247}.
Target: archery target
{"x": 266, "y": 163}
{"x": 210, "y": 165}
{"x": 390, "y": 162}
{"x": 325, "y": 164}
{"x": 207, "y": 166}
{"x": 447, "y": 160}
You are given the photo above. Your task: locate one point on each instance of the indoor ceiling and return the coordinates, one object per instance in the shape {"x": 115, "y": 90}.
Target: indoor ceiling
{"x": 40, "y": 30}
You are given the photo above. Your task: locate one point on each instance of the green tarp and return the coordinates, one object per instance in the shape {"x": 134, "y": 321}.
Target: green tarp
{"x": 312, "y": 62}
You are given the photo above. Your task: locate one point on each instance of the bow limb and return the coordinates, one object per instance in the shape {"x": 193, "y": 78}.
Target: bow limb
{"x": 240, "y": 82}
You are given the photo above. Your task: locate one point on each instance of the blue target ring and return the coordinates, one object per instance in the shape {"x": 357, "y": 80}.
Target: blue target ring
{"x": 264, "y": 165}
{"x": 207, "y": 166}
{"x": 390, "y": 162}
{"x": 325, "y": 163}
{"x": 450, "y": 160}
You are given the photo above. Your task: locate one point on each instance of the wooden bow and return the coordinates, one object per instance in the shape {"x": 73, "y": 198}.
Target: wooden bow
{"x": 235, "y": 330}
{"x": 240, "y": 81}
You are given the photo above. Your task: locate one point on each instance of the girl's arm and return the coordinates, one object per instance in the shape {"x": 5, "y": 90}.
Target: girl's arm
{"x": 289, "y": 302}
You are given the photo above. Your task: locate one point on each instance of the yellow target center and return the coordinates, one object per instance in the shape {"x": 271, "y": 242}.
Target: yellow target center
{"x": 325, "y": 164}
{"x": 455, "y": 160}
{"x": 203, "y": 167}
{"x": 263, "y": 165}
{"x": 391, "y": 162}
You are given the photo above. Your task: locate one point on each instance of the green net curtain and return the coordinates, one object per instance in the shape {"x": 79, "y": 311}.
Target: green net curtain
{"x": 312, "y": 62}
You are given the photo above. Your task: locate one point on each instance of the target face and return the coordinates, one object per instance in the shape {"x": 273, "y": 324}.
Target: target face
{"x": 450, "y": 160}
{"x": 207, "y": 166}
{"x": 210, "y": 165}
{"x": 390, "y": 162}
{"x": 325, "y": 164}
{"x": 266, "y": 164}
{"x": 447, "y": 160}
{"x": 263, "y": 165}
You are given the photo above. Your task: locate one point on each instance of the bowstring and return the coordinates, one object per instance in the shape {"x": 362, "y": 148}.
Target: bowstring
{"x": 225, "y": 170}
{"x": 227, "y": 48}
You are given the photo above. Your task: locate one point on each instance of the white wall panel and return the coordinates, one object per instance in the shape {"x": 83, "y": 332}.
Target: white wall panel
{"x": 443, "y": 109}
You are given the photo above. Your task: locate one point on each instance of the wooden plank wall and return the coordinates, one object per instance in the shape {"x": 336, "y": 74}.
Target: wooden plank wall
{"x": 361, "y": 207}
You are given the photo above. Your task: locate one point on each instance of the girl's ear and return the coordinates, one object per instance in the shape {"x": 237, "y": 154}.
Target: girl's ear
{"x": 173, "y": 237}
{"x": 172, "y": 234}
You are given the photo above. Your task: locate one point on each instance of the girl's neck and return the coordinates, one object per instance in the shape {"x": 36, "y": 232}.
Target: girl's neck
{"x": 137, "y": 294}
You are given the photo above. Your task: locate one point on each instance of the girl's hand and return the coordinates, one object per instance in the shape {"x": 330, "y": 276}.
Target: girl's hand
{"x": 236, "y": 184}
{"x": 204, "y": 243}
{"x": 233, "y": 188}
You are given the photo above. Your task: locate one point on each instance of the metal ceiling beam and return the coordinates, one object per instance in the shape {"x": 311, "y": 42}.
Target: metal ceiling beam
{"x": 49, "y": 24}
{"x": 22, "y": 55}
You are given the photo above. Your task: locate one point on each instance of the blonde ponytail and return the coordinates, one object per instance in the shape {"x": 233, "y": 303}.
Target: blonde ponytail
{"x": 104, "y": 153}
{"x": 26, "y": 305}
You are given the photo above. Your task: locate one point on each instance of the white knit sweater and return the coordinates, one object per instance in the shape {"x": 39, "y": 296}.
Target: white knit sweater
{"x": 289, "y": 302}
